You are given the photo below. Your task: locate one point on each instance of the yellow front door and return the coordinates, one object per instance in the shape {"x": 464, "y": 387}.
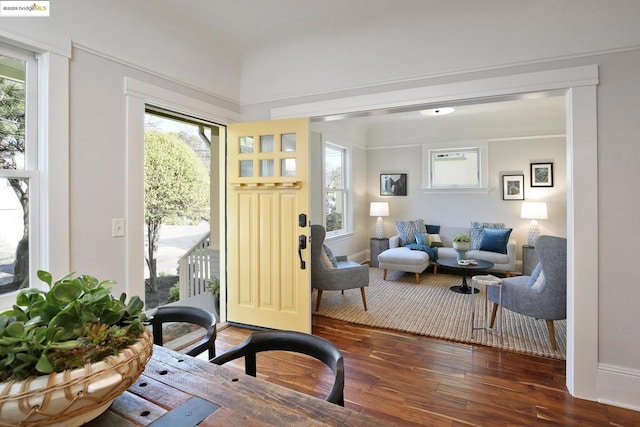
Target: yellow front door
{"x": 268, "y": 278}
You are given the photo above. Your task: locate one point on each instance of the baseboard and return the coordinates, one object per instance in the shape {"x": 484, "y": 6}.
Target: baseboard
{"x": 360, "y": 257}
{"x": 619, "y": 387}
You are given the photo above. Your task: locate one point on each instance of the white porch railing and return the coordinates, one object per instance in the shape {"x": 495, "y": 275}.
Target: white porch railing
{"x": 197, "y": 267}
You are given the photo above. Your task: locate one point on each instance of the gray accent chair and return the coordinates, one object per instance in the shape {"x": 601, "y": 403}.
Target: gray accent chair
{"x": 542, "y": 295}
{"x": 347, "y": 274}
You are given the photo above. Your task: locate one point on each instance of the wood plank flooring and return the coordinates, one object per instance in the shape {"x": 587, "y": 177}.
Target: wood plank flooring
{"x": 409, "y": 379}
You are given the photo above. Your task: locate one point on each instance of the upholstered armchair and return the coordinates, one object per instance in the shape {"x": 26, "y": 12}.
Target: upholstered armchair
{"x": 542, "y": 295}
{"x": 329, "y": 273}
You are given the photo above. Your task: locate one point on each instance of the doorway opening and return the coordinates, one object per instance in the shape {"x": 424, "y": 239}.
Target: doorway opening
{"x": 181, "y": 261}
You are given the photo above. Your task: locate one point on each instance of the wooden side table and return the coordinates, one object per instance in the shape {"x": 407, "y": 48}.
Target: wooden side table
{"x": 377, "y": 246}
{"x": 529, "y": 259}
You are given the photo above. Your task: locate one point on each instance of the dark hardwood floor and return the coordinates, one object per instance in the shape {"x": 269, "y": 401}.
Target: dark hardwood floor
{"x": 409, "y": 379}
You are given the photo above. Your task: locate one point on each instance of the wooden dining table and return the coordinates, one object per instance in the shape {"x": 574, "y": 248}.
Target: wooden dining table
{"x": 178, "y": 391}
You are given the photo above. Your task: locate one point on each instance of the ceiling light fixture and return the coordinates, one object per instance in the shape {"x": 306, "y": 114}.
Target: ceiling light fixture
{"x": 437, "y": 111}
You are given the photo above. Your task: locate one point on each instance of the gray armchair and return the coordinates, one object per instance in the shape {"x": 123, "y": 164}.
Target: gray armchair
{"x": 542, "y": 295}
{"x": 326, "y": 277}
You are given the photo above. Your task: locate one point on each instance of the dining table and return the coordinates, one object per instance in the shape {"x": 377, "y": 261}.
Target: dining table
{"x": 178, "y": 390}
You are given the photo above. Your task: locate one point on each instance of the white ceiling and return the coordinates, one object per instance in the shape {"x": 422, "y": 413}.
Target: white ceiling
{"x": 264, "y": 22}
{"x": 490, "y": 120}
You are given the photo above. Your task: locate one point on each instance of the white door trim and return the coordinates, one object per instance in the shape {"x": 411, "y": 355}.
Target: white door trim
{"x": 137, "y": 95}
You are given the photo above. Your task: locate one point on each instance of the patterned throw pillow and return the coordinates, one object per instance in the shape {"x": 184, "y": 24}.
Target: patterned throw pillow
{"x": 329, "y": 253}
{"x": 476, "y": 232}
{"x": 407, "y": 230}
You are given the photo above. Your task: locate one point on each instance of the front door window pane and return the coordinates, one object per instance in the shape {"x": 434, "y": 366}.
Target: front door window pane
{"x": 246, "y": 168}
{"x": 266, "y": 143}
{"x": 266, "y": 168}
{"x": 288, "y": 167}
{"x": 246, "y": 144}
{"x": 288, "y": 142}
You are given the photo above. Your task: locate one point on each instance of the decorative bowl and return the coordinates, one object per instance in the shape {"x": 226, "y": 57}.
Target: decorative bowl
{"x": 72, "y": 398}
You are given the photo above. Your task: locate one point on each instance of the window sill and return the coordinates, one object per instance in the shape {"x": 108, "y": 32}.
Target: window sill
{"x": 338, "y": 237}
{"x": 483, "y": 190}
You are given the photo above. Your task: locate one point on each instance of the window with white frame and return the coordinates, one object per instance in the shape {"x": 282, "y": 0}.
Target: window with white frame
{"x": 336, "y": 190}
{"x": 455, "y": 168}
{"x": 19, "y": 208}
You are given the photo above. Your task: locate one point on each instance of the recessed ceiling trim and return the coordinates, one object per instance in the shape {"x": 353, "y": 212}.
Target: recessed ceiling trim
{"x": 473, "y": 91}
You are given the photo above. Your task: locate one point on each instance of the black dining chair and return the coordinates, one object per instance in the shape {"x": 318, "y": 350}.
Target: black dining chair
{"x": 183, "y": 314}
{"x": 297, "y": 342}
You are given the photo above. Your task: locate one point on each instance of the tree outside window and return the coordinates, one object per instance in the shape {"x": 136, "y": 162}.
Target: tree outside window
{"x": 15, "y": 174}
{"x": 335, "y": 183}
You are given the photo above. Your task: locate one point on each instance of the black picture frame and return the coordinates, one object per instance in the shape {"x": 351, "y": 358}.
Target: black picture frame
{"x": 542, "y": 174}
{"x": 393, "y": 184}
{"x": 513, "y": 187}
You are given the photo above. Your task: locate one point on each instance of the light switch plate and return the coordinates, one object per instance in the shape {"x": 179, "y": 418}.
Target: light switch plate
{"x": 117, "y": 228}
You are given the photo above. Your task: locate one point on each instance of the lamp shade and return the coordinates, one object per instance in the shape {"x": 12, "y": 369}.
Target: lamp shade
{"x": 379, "y": 209}
{"x": 533, "y": 210}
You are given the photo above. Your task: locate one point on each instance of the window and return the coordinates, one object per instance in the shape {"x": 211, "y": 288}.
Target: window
{"x": 336, "y": 189}
{"x": 456, "y": 168}
{"x": 18, "y": 169}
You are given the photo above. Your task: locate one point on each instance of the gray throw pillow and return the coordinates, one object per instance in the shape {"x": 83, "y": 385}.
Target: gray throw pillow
{"x": 330, "y": 255}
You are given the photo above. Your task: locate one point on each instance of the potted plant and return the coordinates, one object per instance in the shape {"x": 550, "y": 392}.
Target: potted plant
{"x": 67, "y": 352}
{"x": 461, "y": 243}
{"x": 214, "y": 287}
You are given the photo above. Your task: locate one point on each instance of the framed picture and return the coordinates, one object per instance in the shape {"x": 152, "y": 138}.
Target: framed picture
{"x": 393, "y": 184}
{"x": 512, "y": 187}
{"x": 542, "y": 174}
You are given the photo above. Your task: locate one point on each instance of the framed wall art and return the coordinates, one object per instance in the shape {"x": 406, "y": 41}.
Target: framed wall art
{"x": 512, "y": 187}
{"x": 542, "y": 174}
{"x": 393, "y": 184}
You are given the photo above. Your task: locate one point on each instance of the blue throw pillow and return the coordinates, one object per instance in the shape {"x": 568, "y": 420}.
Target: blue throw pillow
{"x": 419, "y": 239}
{"x": 432, "y": 229}
{"x": 495, "y": 240}
{"x": 477, "y": 229}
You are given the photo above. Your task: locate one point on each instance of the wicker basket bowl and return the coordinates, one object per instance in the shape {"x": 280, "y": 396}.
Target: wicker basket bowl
{"x": 72, "y": 398}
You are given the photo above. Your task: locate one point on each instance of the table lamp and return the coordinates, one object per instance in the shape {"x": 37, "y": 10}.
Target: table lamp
{"x": 379, "y": 209}
{"x": 533, "y": 211}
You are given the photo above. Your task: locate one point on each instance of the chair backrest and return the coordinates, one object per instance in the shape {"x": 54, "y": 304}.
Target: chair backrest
{"x": 194, "y": 315}
{"x": 311, "y": 345}
{"x": 552, "y": 254}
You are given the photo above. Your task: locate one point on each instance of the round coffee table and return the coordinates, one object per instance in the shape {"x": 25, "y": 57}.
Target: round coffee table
{"x": 463, "y": 288}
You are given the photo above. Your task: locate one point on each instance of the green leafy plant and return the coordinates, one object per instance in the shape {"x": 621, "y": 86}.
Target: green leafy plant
{"x": 77, "y": 321}
{"x": 214, "y": 287}
{"x": 174, "y": 293}
{"x": 461, "y": 237}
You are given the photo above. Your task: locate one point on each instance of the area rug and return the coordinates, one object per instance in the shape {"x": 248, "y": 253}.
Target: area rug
{"x": 431, "y": 309}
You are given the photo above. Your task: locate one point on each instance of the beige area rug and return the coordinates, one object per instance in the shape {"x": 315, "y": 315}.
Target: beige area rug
{"x": 431, "y": 309}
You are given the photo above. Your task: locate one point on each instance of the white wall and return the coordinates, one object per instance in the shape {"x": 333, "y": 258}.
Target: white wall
{"x": 140, "y": 34}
